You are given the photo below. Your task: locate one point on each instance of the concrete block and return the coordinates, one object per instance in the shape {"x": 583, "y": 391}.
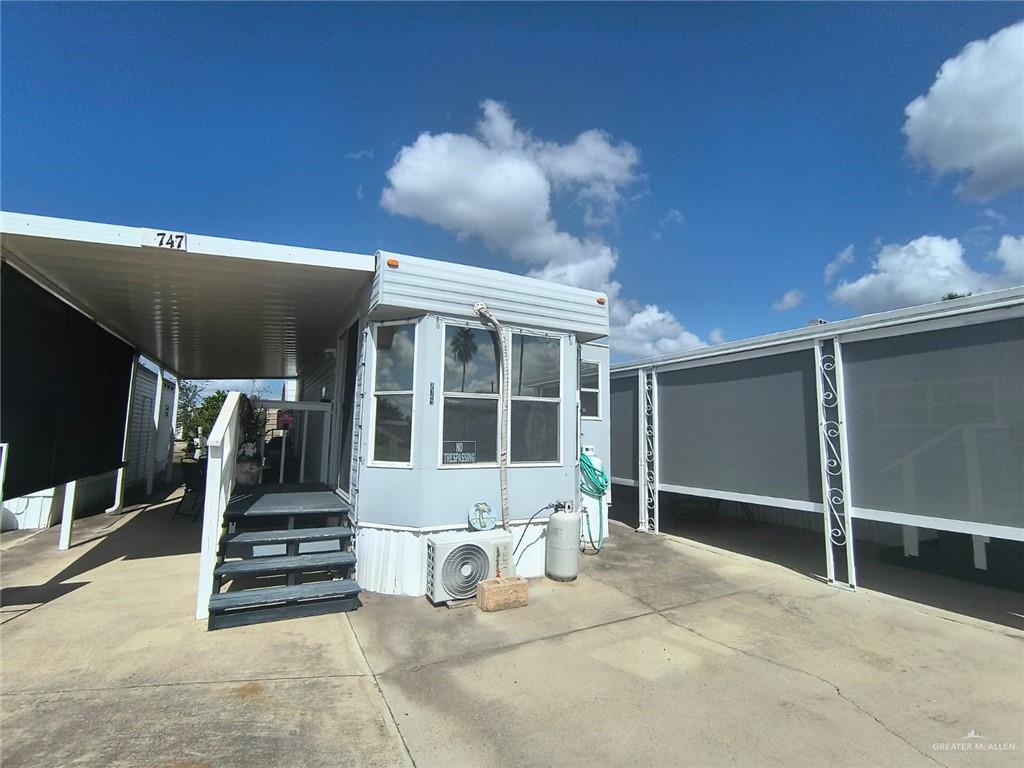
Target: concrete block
{"x": 499, "y": 594}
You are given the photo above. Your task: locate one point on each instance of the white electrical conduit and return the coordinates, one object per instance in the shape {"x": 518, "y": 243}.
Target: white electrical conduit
{"x": 505, "y": 406}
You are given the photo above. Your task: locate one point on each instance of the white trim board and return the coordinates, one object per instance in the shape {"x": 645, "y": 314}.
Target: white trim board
{"x": 988, "y": 307}
{"x": 30, "y": 225}
{"x": 859, "y": 513}
{"x": 940, "y": 524}
{"x": 748, "y": 498}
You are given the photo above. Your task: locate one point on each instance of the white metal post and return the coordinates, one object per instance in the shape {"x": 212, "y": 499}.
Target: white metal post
{"x": 4, "y": 450}
{"x": 844, "y": 450}
{"x": 648, "y": 434}
{"x": 302, "y": 453}
{"x": 68, "y": 516}
{"x": 980, "y": 553}
{"x": 118, "y": 504}
{"x": 169, "y": 472}
{"x": 284, "y": 453}
{"x": 154, "y": 433}
{"x": 826, "y": 486}
{"x": 641, "y": 448}
{"x": 325, "y": 442}
{"x": 911, "y": 538}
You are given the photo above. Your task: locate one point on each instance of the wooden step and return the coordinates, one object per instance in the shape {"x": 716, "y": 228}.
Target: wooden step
{"x": 252, "y": 606}
{"x": 287, "y": 536}
{"x": 313, "y": 561}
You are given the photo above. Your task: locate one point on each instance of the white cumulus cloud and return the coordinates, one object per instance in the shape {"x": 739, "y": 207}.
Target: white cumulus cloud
{"x": 1011, "y": 253}
{"x": 926, "y": 269}
{"x": 971, "y": 121}
{"x": 498, "y": 185}
{"x": 716, "y": 336}
{"x": 674, "y": 217}
{"x": 789, "y": 300}
{"x": 842, "y": 260}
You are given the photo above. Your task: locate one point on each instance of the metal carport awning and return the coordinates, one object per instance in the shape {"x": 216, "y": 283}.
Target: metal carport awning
{"x": 205, "y": 308}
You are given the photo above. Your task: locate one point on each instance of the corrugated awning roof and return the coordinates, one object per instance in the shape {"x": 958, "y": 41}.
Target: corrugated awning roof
{"x": 211, "y": 308}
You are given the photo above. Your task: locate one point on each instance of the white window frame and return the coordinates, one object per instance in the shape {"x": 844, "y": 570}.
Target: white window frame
{"x": 372, "y": 431}
{"x": 442, "y": 394}
{"x": 509, "y": 332}
{"x": 596, "y": 391}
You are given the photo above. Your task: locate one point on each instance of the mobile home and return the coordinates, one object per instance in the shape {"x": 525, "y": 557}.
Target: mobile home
{"x": 396, "y": 433}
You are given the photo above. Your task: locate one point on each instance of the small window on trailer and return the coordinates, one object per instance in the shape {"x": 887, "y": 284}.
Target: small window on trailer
{"x": 393, "y": 376}
{"x": 590, "y": 390}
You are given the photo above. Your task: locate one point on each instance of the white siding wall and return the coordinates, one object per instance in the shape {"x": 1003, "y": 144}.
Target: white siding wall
{"x": 140, "y": 425}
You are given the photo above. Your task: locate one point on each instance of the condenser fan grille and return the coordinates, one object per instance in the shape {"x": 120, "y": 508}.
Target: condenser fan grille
{"x": 464, "y": 567}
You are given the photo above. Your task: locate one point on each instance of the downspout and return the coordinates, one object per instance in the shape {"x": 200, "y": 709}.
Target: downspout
{"x": 504, "y": 405}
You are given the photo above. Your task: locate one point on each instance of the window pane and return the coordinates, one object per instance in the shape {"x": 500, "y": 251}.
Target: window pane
{"x": 534, "y": 431}
{"x": 535, "y": 366}
{"x": 392, "y": 439}
{"x": 588, "y": 375}
{"x": 470, "y": 360}
{"x": 470, "y": 433}
{"x": 588, "y": 403}
{"x": 396, "y": 345}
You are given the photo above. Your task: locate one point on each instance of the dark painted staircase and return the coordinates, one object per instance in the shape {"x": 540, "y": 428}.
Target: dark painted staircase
{"x": 310, "y": 569}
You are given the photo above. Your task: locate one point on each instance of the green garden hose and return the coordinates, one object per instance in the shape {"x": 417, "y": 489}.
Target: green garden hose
{"x": 594, "y": 482}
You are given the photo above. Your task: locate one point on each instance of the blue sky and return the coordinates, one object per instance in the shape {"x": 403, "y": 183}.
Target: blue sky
{"x": 738, "y": 148}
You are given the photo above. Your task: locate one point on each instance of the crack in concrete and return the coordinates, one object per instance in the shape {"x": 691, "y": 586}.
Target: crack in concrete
{"x": 380, "y": 690}
{"x": 651, "y": 611}
{"x": 819, "y": 678}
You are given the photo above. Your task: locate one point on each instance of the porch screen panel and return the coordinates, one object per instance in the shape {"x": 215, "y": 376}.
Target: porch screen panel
{"x": 936, "y": 423}
{"x": 64, "y": 390}
{"x": 744, "y": 427}
{"x": 624, "y": 406}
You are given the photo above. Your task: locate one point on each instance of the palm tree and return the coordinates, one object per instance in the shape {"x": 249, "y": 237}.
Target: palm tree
{"x": 463, "y": 348}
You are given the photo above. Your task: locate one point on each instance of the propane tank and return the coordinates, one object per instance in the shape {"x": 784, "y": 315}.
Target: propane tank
{"x": 562, "y": 549}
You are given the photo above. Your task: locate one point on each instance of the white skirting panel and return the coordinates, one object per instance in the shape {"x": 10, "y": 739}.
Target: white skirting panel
{"x": 392, "y": 561}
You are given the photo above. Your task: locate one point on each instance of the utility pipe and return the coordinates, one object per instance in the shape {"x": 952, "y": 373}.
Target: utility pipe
{"x": 505, "y": 406}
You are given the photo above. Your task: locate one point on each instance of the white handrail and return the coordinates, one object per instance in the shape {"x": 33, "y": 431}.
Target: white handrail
{"x": 222, "y": 453}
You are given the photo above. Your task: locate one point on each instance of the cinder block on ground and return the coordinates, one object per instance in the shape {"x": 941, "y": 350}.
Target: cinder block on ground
{"x": 499, "y": 594}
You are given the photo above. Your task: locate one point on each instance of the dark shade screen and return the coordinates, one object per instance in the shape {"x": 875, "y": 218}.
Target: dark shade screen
{"x": 63, "y": 389}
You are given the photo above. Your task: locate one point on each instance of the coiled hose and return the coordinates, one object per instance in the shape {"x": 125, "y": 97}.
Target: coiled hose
{"x": 594, "y": 483}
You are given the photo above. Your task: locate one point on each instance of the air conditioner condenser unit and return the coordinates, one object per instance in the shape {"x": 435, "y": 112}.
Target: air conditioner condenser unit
{"x": 459, "y": 560}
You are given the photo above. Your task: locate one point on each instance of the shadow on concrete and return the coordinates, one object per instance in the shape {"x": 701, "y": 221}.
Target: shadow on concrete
{"x": 803, "y": 551}
{"x": 150, "y": 532}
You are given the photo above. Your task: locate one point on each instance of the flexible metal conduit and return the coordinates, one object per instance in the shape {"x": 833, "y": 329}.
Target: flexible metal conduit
{"x": 505, "y": 405}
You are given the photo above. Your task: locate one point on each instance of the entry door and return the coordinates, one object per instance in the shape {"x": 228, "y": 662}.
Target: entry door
{"x": 350, "y": 358}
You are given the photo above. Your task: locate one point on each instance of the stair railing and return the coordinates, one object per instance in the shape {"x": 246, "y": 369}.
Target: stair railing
{"x": 222, "y": 453}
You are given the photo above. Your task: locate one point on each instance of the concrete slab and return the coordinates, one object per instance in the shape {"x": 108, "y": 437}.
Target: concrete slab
{"x": 130, "y": 597}
{"x": 664, "y": 652}
{"x": 638, "y": 692}
{"x": 104, "y": 663}
{"x": 327, "y": 721}
{"x": 929, "y": 676}
{"x": 736, "y": 662}
{"x": 412, "y": 633}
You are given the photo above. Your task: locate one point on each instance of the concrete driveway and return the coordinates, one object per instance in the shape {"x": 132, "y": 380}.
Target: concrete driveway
{"x": 663, "y": 653}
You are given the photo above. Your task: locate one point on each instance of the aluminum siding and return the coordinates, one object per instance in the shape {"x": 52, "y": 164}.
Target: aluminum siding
{"x": 452, "y": 289}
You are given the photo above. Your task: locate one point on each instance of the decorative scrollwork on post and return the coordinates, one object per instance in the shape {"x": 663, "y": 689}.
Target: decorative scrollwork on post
{"x": 648, "y": 452}
{"x": 832, "y": 455}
